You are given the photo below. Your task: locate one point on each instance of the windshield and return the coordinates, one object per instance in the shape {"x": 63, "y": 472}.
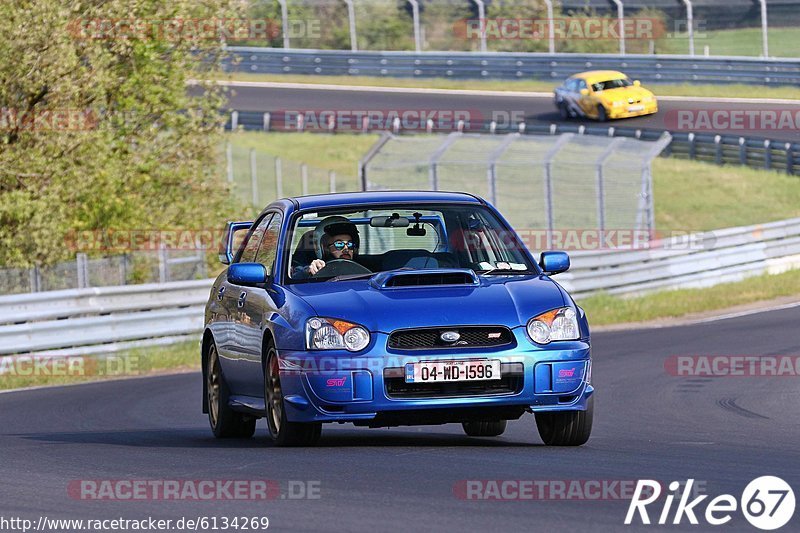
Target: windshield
{"x": 335, "y": 245}
{"x": 612, "y": 84}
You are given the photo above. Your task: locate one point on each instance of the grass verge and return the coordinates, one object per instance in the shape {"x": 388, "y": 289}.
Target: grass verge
{"x": 680, "y": 89}
{"x": 153, "y": 360}
{"x": 604, "y": 309}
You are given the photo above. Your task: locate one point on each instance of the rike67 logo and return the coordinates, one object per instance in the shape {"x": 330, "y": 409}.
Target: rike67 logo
{"x": 767, "y": 503}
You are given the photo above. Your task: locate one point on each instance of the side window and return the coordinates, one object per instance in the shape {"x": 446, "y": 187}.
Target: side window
{"x": 269, "y": 243}
{"x": 251, "y": 245}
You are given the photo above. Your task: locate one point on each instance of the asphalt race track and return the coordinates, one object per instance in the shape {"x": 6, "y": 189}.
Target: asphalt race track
{"x": 723, "y": 432}
{"x": 535, "y": 109}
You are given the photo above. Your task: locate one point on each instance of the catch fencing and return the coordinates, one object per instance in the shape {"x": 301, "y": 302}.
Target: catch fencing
{"x": 544, "y": 182}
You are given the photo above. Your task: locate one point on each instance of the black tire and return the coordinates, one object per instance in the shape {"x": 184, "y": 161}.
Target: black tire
{"x": 566, "y": 428}
{"x": 563, "y": 111}
{"x": 281, "y": 431}
{"x": 225, "y": 422}
{"x": 485, "y": 428}
{"x": 602, "y": 114}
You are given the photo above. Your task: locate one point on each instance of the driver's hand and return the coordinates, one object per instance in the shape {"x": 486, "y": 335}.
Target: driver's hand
{"x": 315, "y": 266}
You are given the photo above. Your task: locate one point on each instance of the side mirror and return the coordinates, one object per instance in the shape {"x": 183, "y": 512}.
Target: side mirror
{"x": 637, "y": 83}
{"x": 554, "y": 262}
{"x": 229, "y": 244}
{"x": 584, "y": 92}
{"x": 247, "y": 274}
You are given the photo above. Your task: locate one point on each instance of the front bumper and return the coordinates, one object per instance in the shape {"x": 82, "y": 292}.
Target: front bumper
{"x": 627, "y": 112}
{"x": 334, "y": 386}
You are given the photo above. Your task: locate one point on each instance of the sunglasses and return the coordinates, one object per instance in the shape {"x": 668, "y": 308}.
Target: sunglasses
{"x": 341, "y": 245}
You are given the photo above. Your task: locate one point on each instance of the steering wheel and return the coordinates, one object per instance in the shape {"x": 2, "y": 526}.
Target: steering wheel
{"x": 341, "y": 267}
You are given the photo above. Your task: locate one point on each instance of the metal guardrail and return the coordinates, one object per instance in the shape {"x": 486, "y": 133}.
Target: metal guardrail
{"x": 100, "y": 315}
{"x": 703, "y": 260}
{"x": 102, "y": 319}
{"x": 754, "y": 152}
{"x": 508, "y": 65}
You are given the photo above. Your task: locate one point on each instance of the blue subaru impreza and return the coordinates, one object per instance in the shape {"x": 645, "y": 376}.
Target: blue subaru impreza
{"x": 388, "y": 309}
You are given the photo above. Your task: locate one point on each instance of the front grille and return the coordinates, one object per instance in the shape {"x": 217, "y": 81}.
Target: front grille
{"x": 470, "y": 337}
{"x": 511, "y": 382}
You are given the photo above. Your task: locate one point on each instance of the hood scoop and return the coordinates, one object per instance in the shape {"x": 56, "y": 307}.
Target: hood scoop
{"x": 398, "y": 279}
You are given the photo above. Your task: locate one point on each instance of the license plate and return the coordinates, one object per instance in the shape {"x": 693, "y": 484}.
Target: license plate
{"x": 438, "y": 371}
{"x": 635, "y": 108}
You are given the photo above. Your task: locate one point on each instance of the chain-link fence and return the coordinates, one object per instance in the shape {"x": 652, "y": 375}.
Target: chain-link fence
{"x": 564, "y": 182}
{"x": 710, "y": 27}
{"x": 259, "y": 177}
{"x": 159, "y": 266}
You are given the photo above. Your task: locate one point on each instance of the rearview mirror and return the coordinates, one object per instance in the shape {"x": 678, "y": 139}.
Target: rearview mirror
{"x": 637, "y": 83}
{"x": 554, "y": 262}
{"x": 247, "y": 274}
{"x": 389, "y": 222}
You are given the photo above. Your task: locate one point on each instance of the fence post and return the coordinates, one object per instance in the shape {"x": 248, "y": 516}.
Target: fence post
{"x": 351, "y": 16}
{"x": 718, "y": 149}
{"x": 36, "y": 279}
{"x": 415, "y": 19}
{"x": 789, "y": 159}
{"x": 742, "y": 151}
{"x": 482, "y": 20}
{"x": 163, "y": 271}
{"x": 285, "y": 23}
{"x": 229, "y": 161}
{"x": 82, "y": 270}
{"x": 304, "y": 178}
{"x": 764, "y": 28}
{"x": 234, "y": 120}
{"x": 266, "y": 120}
{"x": 767, "y": 154}
{"x": 621, "y": 26}
{"x": 551, "y": 37}
{"x": 278, "y": 177}
{"x": 332, "y": 180}
{"x": 254, "y": 178}
{"x": 692, "y": 146}
{"x": 690, "y": 25}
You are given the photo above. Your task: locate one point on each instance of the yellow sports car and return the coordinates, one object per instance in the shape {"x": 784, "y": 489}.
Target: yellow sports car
{"x": 603, "y": 95}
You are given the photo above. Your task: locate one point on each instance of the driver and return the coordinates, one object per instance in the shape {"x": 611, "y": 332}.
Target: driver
{"x": 340, "y": 240}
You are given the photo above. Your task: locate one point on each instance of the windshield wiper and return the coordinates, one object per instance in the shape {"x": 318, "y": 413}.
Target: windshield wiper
{"x": 504, "y": 271}
{"x": 348, "y": 277}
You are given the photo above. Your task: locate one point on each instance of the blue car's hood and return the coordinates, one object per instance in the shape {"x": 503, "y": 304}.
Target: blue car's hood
{"x": 500, "y": 300}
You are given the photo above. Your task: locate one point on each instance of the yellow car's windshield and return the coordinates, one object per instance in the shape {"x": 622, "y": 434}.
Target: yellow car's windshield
{"x": 611, "y": 84}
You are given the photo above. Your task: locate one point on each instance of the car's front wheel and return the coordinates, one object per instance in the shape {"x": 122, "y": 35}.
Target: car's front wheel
{"x": 566, "y": 428}
{"x": 224, "y": 421}
{"x": 281, "y": 431}
{"x": 485, "y": 428}
{"x": 602, "y": 114}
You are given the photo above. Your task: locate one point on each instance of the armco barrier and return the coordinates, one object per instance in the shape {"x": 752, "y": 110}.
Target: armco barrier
{"x": 106, "y": 318}
{"x": 507, "y": 65}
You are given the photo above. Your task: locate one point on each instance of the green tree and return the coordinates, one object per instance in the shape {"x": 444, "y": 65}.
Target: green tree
{"x": 97, "y": 128}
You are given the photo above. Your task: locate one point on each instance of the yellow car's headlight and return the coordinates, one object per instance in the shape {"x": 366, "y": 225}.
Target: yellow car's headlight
{"x": 619, "y": 103}
{"x": 648, "y": 99}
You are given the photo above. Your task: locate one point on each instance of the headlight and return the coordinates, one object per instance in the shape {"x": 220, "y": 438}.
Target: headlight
{"x": 619, "y": 103}
{"x": 333, "y": 334}
{"x": 556, "y": 325}
{"x": 648, "y": 99}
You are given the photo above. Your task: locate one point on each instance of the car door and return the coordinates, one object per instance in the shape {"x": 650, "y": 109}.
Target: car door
{"x": 255, "y": 305}
{"x": 586, "y": 102}
{"x": 232, "y": 351}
